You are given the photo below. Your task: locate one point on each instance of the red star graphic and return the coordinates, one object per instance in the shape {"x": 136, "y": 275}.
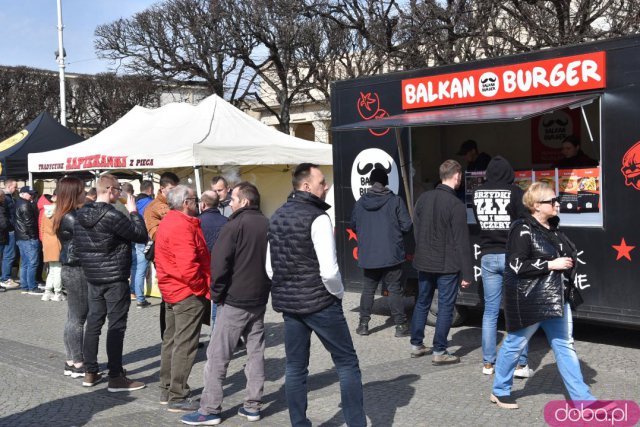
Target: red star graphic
{"x": 623, "y": 249}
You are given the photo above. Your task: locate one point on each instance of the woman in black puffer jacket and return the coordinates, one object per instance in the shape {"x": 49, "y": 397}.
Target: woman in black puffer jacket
{"x": 71, "y": 196}
{"x": 537, "y": 281}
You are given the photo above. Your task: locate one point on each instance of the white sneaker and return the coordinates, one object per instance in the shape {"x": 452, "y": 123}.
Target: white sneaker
{"x": 42, "y": 285}
{"x": 10, "y": 284}
{"x": 47, "y": 296}
{"x": 58, "y": 297}
{"x": 523, "y": 371}
{"x": 487, "y": 369}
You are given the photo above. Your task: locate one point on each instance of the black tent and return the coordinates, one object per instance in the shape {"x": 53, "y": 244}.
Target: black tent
{"x": 44, "y": 133}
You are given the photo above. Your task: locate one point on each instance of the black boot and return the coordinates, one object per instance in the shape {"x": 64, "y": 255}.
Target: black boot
{"x": 402, "y": 330}
{"x": 363, "y": 328}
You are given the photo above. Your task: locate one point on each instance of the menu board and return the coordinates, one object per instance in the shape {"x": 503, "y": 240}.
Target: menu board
{"x": 568, "y": 190}
{"x": 472, "y": 180}
{"x": 523, "y": 179}
{"x": 546, "y": 176}
{"x": 589, "y": 190}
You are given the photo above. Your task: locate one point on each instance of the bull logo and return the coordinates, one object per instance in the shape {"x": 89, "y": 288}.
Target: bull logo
{"x": 631, "y": 167}
{"x": 369, "y": 109}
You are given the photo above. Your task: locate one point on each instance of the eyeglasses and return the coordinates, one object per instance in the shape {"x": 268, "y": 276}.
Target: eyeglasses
{"x": 551, "y": 201}
{"x": 119, "y": 189}
{"x": 193, "y": 198}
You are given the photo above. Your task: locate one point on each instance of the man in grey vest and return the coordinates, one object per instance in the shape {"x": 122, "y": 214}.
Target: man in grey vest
{"x": 307, "y": 289}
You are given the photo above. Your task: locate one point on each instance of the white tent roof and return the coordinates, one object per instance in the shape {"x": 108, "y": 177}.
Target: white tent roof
{"x": 212, "y": 133}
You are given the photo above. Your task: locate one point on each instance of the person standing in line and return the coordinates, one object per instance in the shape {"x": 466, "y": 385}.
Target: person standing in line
{"x": 183, "y": 265}
{"x": 443, "y": 260}
{"x": 211, "y": 221}
{"x": 153, "y": 214}
{"x": 538, "y": 284}
{"x": 139, "y": 263}
{"x": 380, "y": 220}
{"x": 220, "y": 185}
{"x": 307, "y": 289}
{"x": 70, "y": 197}
{"x": 4, "y": 229}
{"x": 51, "y": 253}
{"x": 103, "y": 237}
{"x": 496, "y": 204}
{"x": 241, "y": 290}
{"x": 9, "y": 248}
{"x": 26, "y": 225}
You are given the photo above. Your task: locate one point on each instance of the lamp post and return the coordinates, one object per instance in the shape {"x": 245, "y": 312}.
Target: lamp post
{"x": 60, "y": 54}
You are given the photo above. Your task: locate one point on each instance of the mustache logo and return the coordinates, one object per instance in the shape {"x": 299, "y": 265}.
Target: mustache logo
{"x": 488, "y": 79}
{"x": 371, "y": 166}
{"x": 558, "y": 122}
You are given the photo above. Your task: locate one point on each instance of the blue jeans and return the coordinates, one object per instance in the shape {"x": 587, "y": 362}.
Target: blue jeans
{"x": 559, "y": 332}
{"x": 492, "y": 271}
{"x": 8, "y": 256}
{"x": 331, "y": 328}
{"x": 447, "y": 285}
{"x": 29, "y": 253}
{"x": 139, "y": 265}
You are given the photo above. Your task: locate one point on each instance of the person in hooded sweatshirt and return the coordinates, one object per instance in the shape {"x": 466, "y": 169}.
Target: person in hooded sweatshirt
{"x": 380, "y": 219}
{"x": 496, "y": 204}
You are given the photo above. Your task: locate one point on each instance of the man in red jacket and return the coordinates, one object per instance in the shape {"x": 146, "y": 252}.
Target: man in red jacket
{"x": 183, "y": 270}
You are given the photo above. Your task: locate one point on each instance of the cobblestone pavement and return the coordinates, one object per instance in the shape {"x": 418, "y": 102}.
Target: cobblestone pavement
{"x": 399, "y": 391}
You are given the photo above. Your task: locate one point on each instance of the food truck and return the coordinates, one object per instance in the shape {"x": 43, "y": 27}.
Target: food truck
{"x": 521, "y": 107}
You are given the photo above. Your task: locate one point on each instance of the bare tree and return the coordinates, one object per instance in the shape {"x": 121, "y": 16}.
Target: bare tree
{"x": 26, "y": 92}
{"x": 177, "y": 39}
{"x": 101, "y": 100}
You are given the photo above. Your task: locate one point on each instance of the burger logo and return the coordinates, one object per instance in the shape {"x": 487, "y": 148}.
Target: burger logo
{"x": 489, "y": 84}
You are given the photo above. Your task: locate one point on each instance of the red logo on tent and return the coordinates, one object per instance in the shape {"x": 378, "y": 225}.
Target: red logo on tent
{"x": 369, "y": 109}
{"x": 631, "y": 167}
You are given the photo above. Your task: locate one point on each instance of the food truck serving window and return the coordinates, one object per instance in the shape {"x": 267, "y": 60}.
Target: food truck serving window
{"x": 531, "y": 133}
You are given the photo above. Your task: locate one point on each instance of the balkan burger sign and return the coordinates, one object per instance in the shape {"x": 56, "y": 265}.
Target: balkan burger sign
{"x": 552, "y": 76}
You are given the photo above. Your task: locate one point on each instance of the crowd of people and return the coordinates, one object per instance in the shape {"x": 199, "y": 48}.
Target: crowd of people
{"x": 218, "y": 260}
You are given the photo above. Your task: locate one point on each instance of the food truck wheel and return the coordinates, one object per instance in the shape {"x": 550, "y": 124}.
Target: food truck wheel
{"x": 460, "y": 313}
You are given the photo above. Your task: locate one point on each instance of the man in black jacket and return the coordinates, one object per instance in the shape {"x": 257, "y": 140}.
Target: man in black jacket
{"x": 442, "y": 258}
{"x": 4, "y": 229}
{"x": 26, "y": 225}
{"x": 241, "y": 291}
{"x": 9, "y": 248}
{"x": 102, "y": 237}
{"x": 380, "y": 219}
{"x": 496, "y": 204}
{"x": 307, "y": 289}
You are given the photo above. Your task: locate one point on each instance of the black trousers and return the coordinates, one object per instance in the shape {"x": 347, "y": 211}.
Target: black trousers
{"x": 392, "y": 277}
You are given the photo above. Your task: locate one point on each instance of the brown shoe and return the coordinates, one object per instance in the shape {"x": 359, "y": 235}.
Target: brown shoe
{"x": 91, "y": 379}
{"x": 122, "y": 383}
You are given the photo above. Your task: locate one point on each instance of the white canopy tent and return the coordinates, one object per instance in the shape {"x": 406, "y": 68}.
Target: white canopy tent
{"x": 212, "y": 133}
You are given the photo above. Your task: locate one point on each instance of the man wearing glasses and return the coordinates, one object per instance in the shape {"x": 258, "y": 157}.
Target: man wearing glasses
{"x": 183, "y": 266}
{"x": 103, "y": 237}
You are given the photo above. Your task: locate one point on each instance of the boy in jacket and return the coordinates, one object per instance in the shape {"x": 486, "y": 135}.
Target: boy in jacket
{"x": 380, "y": 220}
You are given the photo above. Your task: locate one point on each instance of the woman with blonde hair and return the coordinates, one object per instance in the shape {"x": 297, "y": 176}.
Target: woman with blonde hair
{"x": 539, "y": 293}
{"x": 71, "y": 196}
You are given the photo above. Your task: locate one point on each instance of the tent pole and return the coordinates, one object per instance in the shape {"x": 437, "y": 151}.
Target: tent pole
{"x": 30, "y": 183}
{"x": 196, "y": 172}
{"x": 403, "y": 170}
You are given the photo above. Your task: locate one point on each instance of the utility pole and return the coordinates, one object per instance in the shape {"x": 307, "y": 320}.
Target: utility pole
{"x": 60, "y": 54}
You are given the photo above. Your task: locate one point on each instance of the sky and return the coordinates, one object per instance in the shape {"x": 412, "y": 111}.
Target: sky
{"x": 29, "y": 34}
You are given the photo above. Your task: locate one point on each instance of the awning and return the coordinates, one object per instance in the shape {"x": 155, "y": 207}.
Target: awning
{"x": 505, "y": 112}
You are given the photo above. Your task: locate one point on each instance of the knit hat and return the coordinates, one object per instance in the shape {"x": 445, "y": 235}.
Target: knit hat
{"x": 379, "y": 175}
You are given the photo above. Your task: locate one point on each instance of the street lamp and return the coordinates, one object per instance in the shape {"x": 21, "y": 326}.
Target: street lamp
{"x": 60, "y": 55}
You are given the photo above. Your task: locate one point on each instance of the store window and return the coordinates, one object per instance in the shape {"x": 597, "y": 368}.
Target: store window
{"x": 561, "y": 147}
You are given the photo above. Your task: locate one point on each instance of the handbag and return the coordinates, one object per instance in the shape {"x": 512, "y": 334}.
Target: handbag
{"x": 149, "y": 250}
{"x": 574, "y": 298}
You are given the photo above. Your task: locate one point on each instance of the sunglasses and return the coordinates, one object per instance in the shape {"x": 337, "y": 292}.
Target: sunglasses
{"x": 551, "y": 201}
